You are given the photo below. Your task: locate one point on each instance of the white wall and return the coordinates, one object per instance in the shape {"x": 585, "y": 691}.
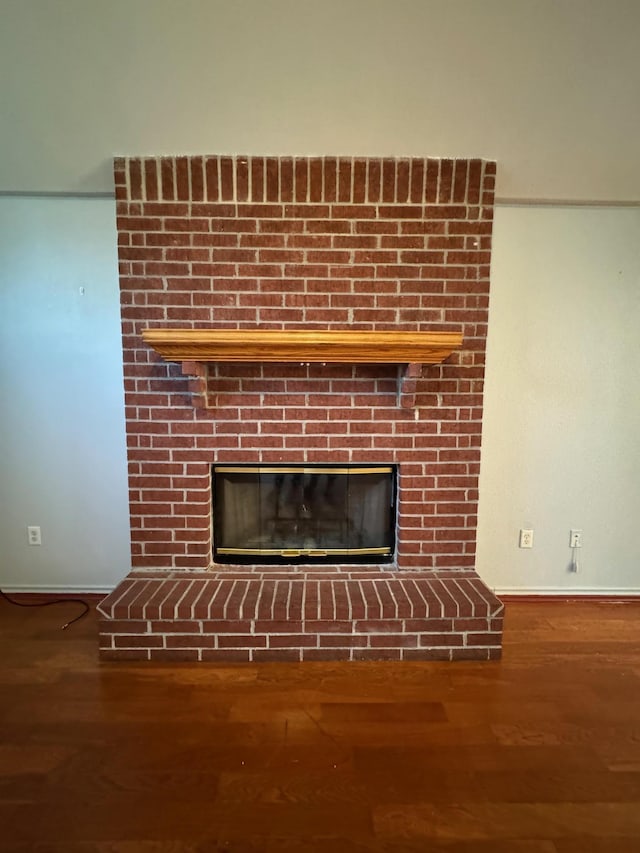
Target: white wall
{"x": 62, "y": 459}
{"x": 562, "y": 400}
{"x": 549, "y": 88}
{"x": 562, "y": 408}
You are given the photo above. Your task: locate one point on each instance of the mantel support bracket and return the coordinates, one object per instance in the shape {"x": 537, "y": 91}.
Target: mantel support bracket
{"x": 197, "y": 373}
{"x": 408, "y": 376}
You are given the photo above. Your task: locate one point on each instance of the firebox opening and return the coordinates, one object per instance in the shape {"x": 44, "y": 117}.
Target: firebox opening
{"x": 290, "y": 514}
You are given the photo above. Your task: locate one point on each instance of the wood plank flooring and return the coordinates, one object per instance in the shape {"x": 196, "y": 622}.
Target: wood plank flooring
{"x": 537, "y": 753}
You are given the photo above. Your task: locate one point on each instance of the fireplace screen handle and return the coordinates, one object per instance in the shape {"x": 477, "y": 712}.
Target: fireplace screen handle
{"x": 306, "y": 552}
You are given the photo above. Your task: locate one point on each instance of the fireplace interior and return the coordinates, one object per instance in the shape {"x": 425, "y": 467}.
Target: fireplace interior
{"x": 289, "y": 514}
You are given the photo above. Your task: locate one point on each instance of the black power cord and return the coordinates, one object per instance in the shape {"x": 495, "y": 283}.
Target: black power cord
{"x": 48, "y": 603}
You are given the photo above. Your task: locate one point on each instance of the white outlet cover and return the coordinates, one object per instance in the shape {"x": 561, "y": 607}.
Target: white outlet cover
{"x": 526, "y": 537}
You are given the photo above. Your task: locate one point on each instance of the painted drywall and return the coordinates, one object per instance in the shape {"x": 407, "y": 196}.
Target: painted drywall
{"x": 562, "y": 400}
{"x": 63, "y": 460}
{"x": 548, "y": 88}
{"x": 562, "y": 409}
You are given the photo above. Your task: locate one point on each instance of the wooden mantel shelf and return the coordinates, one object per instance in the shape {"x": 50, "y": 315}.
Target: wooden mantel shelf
{"x": 195, "y": 348}
{"x": 301, "y": 345}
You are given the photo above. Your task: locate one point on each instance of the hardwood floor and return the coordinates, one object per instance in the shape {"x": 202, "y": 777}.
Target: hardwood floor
{"x": 538, "y": 753}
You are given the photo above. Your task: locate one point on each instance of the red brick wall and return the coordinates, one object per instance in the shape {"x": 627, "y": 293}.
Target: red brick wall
{"x": 236, "y": 242}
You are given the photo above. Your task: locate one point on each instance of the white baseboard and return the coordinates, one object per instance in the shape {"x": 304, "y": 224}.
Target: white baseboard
{"x": 56, "y": 590}
{"x": 621, "y": 591}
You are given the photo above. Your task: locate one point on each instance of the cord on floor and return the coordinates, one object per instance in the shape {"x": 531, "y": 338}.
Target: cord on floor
{"x": 48, "y": 603}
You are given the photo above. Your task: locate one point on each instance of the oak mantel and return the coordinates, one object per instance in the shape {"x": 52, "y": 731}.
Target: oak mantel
{"x": 344, "y": 346}
{"x": 197, "y": 347}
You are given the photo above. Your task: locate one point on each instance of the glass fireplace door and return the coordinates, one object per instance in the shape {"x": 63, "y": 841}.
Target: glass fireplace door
{"x": 306, "y": 513}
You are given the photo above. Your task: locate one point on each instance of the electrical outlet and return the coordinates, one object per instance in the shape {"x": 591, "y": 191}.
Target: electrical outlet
{"x": 575, "y": 539}
{"x": 33, "y": 535}
{"x": 526, "y": 537}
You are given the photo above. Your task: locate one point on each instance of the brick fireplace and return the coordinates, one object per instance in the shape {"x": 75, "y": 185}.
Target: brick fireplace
{"x": 360, "y": 245}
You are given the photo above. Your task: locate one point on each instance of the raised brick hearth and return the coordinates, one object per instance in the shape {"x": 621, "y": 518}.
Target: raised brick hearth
{"x": 288, "y": 243}
{"x": 239, "y": 615}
